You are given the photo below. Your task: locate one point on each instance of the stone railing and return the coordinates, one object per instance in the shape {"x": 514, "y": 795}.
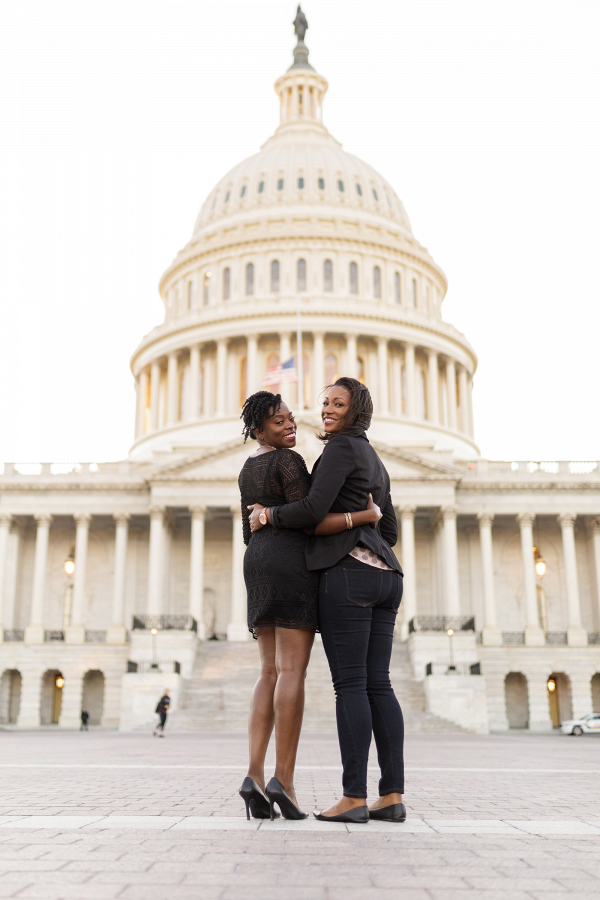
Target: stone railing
{"x": 513, "y": 638}
{"x": 44, "y": 470}
{"x": 441, "y": 623}
{"x": 556, "y": 638}
{"x": 452, "y": 668}
{"x": 165, "y": 623}
{"x": 53, "y": 636}
{"x": 161, "y": 666}
{"x": 525, "y": 468}
{"x": 95, "y": 636}
{"x": 14, "y": 635}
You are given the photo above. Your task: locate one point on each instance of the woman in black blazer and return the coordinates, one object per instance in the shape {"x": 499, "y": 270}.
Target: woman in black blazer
{"x": 359, "y": 595}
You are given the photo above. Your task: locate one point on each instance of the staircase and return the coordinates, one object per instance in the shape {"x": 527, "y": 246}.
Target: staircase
{"x": 218, "y": 696}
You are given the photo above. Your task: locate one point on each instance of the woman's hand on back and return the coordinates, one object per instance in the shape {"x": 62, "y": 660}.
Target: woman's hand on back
{"x": 255, "y": 523}
{"x": 372, "y": 506}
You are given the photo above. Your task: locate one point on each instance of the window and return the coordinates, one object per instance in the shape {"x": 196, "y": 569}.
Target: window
{"x": 375, "y": 195}
{"x": 387, "y": 200}
{"x": 377, "y": 282}
{"x": 206, "y": 288}
{"x": 243, "y": 191}
{"x": 321, "y": 184}
{"x": 359, "y": 190}
{"x": 261, "y": 187}
{"x": 331, "y": 368}
{"x": 301, "y": 275}
{"x": 414, "y": 292}
{"x": 360, "y": 365}
{"x": 190, "y": 294}
{"x": 300, "y": 101}
{"x": 227, "y": 196}
{"x": 328, "y": 275}
{"x": 353, "y": 278}
{"x": 397, "y": 298}
{"x": 226, "y": 283}
{"x": 280, "y": 184}
{"x": 341, "y": 187}
{"x": 249, "y": 279}
{"x": 243, "y": 379}
{"x": 301, "y": 184}
{"x": 184, "y": 372}
{"x": 421, "y": 393}
{"x": 274, "y": 276}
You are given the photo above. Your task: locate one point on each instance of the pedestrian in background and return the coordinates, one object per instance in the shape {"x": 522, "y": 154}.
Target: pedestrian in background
{"x": 84, "y": 719}
{"x": 161, "y": 708}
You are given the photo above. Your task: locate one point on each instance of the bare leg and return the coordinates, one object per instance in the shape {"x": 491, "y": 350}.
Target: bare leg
{"x": 262, "y": 717}
{"x": 292, "y": 655}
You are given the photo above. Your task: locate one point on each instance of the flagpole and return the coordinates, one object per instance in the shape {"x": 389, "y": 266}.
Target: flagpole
{"x": 299, "y": 360}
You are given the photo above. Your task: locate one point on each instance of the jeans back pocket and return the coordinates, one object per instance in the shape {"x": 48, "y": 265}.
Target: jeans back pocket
{"x": 363, "y": 587}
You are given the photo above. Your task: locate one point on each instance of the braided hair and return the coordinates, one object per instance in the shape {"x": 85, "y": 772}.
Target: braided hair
{"x": 257, "y": 408}
{"x": 358, "y": 418}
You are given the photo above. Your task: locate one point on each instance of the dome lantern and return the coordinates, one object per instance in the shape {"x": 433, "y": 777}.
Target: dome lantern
{"x": 301, "y": 90}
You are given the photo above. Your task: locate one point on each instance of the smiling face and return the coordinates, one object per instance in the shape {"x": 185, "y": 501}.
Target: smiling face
{"x": 336, "y": 404}
{"x": 279, "y": 431}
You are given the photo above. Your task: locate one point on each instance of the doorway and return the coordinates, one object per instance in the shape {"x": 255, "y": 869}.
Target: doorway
{"x": 559, "y": 698}
{"x": 10, "y": 696}
{"x": 51, "y": 700}
{"x": 517, "y": 700}
{"x": 93, "y": 695}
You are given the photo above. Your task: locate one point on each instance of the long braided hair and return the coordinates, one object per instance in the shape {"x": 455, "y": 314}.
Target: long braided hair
{"x": 358, "y": 418}
{"x": 257, "y": 408}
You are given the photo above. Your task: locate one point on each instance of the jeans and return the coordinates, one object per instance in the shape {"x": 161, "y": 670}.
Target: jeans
{"x": 357, "y": 614}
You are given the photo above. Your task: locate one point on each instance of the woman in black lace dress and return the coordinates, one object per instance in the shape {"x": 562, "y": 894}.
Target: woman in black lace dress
{"x": 282, "y": 598}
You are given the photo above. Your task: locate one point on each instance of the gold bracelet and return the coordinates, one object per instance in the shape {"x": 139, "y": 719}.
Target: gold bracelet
{"x": 348, "y": 521}
{"x": 351, "y": 526}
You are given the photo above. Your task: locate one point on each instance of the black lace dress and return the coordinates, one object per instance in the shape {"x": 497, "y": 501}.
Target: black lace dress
{"x": 281, "y": 590}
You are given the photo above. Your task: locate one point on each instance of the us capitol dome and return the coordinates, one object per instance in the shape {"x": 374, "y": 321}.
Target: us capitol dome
{"x": 122, "y": 578}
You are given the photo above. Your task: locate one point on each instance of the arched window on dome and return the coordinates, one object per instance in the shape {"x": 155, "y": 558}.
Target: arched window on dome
{"x": 359, "y": 190}
{"x": 341, "y": 186}
{"x": 243, "y": 380}
{"x": 249, "y": 279}
{"x": 226, "y": 283}
{"x": 301, "y": 275}
{"x": 328, "y": 275}
{"x": 414, "y": 293}
{"x": 321, "y": 184}
{"x": 243, "y": 191}
{"x": 353, "y": 278}
{"x": 227, "y": 196}
{"x": 375, "y": 197}
{"x": 280, "y": 184}
{"x": 275, "y": 276}
{"x": 387, "y": 200}
{"x": 377, "y": 282}
{"x": 184, "y": 373}
{"x": 190, "y": 294}
{"x": 206, "y": 288}
{"x": 397, "y": 296}
{"x": 261, "y": 187}
{"x": 301, "y": 184}
{"x": 331, "y": 368}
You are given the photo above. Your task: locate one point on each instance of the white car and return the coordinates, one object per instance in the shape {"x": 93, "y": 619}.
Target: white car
{"x": 580, "y": 726}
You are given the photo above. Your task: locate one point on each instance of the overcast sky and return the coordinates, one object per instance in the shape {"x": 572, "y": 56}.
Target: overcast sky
{"x": 117, "y": 118}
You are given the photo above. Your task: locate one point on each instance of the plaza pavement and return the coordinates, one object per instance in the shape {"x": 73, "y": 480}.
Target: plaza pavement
{"x": 101, "y": 815}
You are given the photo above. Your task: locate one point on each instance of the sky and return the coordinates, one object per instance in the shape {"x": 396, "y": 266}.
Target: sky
{"x": 117, "y": 118}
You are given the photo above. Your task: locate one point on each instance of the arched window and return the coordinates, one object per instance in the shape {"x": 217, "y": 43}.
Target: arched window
{"x": 226, "y": 283}
{"x": 274, "y": 276}
{"x": 387, "y": 200}
{"x": 301, "y": 184}
{"x": 414, "y": 292}
{"x": 280, "y": 184}
{"x": 328, "y": 275}
{"x": 341, "y": 186}
{"x": 227, "y": 196}
{"x": 301, "y": 275}
{"x": 377, "y": 282}
{"x": 353, "y": 278}
{"x": 190, "y": 294}
{"x": 261, "y": 187}
{"x": 243, "y": 379}
{"x": 421, "y": 393}
{"x": 397, "y": 298}
{"x": 359, "y": 190}
{"x": 249, "y": 279}
{"x": 331, "y": 368}
{"x": 206, "y": 288}
{"x": 321, "y": 184}
{"x": 184, "y": 372}
{"x": 375, "y": 195}
{"x": 243, "y": 191}
{"x": 360, "y": 365}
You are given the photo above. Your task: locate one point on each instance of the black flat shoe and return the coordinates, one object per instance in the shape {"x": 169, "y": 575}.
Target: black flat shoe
{"x": 255, "y": 800}
{"x": 276, "y": 793}
{"x": 396, "y": 812}
{"x": 358, "y": 815}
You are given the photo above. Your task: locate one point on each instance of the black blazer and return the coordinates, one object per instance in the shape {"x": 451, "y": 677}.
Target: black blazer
{"x": 345, "y": 474}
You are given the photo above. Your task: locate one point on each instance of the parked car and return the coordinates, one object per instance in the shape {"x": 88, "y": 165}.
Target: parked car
{"x": 582, "y": 726}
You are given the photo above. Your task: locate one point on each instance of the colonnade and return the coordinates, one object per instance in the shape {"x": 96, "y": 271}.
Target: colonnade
{"x": 406, "y": 379}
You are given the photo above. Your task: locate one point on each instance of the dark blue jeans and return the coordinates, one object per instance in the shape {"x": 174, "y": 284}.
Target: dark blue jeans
{"x": 357, "y": 614}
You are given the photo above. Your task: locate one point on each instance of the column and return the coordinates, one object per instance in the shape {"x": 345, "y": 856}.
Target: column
{"x": 318, "y": 367}
{"x": 31, "y": 694}
{"x": 142, "y": 393}
{"x": 172, "y": 389}
{"x": 75, "y": 633}
{"x": 382, "y": 376}
{"x": 534, "y": 636}
{"x": 409, "y": 371}
{"x": 595, "y": 529}
{"x": 351, "y": 355}
{"x": 237, "y": 630}
{"x": 285, "y": 343}
{"x": 193, "y": 411}
{"x": 252, "y": 365}
{"x": 491, "y": 634}
{"x": 470, "y": 405}
{"x": 537, "y": 689}
{"x": 197, "y": 567}
{"x": 72, "y": 697}
{"x": 221, "y": 376}
{"x": 451, "y": 561}
{"x": 155, "y": 561}
{"x": 433, "y": 398}
{"x": 451, "y": 393}
{"x": 5, "y": 523}
{"x": 117, "y": 633}
{"x": 463, "y": 402}
{"x": 34, "y": 633}
{"x": 409, "y": 567}
{"x": 154, "y": 394}
{"x": 576, "y": 634}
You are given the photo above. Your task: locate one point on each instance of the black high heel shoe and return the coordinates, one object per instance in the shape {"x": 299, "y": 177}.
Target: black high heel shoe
{"x": 394, "y": 813}
{"x": 255, "y": 800}
{"x": 276, "y": 793}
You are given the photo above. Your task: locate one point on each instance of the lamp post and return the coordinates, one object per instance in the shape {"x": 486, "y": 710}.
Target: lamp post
{"x": 154, "y": 632}
{"x": 451, "y": 667}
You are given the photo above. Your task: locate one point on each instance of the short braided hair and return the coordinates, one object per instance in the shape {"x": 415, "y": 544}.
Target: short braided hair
{"x": 256, "y": 409}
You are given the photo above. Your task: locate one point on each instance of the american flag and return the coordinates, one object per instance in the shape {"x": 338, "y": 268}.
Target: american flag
{"x": 282, "y": 373}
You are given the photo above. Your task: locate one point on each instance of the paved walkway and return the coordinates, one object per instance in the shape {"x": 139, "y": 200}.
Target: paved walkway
{"x": 100, "y": 815}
